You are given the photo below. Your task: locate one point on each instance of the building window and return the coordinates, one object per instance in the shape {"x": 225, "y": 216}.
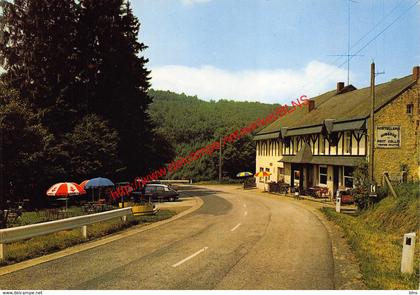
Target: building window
{"x": 296, "y": 178}
{"x": 280, "y": 174}
{"x": 321, "y": 144}
{"x": 410, "y": 108}
{"x": 347, "y": 142}
{"x": 323, "y": 173}
{"x": 348, "y": 176}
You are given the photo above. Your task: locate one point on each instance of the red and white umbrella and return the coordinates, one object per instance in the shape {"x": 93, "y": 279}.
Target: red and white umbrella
{"x": 262, "y": 174}
{"x": 65, "y": 189}
{"x": 83, "y": 183}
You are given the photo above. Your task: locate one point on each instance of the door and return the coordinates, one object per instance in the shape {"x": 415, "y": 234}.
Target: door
{"x": 310, "y": 176}
{"x": 297, "y": 176}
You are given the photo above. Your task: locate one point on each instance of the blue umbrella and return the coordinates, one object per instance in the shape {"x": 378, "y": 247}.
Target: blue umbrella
{"x": 98, "y": 182}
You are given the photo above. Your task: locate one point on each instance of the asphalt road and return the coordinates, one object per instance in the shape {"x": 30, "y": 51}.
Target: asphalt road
{"x": 236, "y": 240}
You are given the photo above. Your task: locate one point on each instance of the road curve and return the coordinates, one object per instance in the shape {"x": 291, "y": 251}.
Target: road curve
{"x": 236, "y": 240}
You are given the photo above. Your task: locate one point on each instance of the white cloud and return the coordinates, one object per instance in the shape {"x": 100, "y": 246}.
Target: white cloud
{"x": 192, "y": 2}
{"x": 273, "y": 86}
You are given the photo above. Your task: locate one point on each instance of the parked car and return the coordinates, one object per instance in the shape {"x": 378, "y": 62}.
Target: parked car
{"x": 170, "y": 185}
{"x": 157, "y": 192}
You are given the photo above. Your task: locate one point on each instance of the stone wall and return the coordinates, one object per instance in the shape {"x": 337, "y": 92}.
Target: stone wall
{"x": 391, "y": 159}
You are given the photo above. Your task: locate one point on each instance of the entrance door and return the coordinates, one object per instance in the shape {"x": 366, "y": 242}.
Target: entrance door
{"x": 310, "y": 176}
{"x": 335, "y": 179}
{"x": 297, "y": 176}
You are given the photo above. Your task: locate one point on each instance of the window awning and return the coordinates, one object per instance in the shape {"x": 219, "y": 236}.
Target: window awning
{"x": 326, "y": 160}
{"x": 267, "y": 136}
{"x": 352, "y": 125}
{"x": 304, "y": 131}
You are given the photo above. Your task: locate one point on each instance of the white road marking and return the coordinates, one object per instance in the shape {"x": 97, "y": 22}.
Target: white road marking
{"x": 236, "y": 226}
{"x": 245, "y": 213}
{"x": 189, "y": 257}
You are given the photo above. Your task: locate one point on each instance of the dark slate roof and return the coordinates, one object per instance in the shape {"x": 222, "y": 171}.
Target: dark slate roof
{"x": 304, "y": 155}
{"x": 342, "y": 107}
{"x": 267, "y": 136}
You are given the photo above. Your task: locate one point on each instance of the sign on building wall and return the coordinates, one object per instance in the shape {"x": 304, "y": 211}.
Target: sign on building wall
{"x": 388, "y": 136}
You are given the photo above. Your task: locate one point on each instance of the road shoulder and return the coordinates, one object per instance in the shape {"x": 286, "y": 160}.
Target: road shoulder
{"x": 347, "y": 274}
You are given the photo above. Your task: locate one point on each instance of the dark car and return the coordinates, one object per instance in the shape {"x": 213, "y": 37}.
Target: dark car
{"x": 170, "y": 185}
{"x": 157, "y": 192}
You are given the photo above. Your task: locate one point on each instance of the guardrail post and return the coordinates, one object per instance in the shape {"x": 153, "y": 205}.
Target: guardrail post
{"x": 84, "y": 231}
{"x": 407, "y": 259}
{"x": 2, "y": 252}
{"x": 124, "y": 218}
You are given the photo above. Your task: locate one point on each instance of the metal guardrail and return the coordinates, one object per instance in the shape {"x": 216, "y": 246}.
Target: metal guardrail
{"x": 176, "y": 181}
{"x": 14, "y": 234}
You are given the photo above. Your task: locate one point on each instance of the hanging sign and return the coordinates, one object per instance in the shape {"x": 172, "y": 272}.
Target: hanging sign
{"x": 388, "y": 136}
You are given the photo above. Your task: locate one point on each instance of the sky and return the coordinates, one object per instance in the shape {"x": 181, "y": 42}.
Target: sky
{"x": 275, "y": 50}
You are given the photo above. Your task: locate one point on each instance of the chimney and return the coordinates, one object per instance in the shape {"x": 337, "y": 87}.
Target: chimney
{"x": 311, "y": 105}
{"x": 340, "y": 86}
{"x": 416, "y": 73}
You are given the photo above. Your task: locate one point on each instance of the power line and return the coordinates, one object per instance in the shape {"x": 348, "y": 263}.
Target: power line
{"x": 377, "y": 24}
{"x": 387, "y": 27}
{"x": 373, "y": 39}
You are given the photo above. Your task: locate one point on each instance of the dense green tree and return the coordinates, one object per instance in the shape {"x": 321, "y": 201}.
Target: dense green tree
{"x": 116, "y": 84}
{"x": 24, "y": 151}
{"x": 190, "y": 124}
{"x": 239, "y": 156}
{"x": 39, "y": 54}
{"x": 91, "y": 149}
{"x": 68, "y": 59}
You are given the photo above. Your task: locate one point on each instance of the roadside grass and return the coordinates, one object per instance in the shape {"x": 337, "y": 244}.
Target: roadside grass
{"x": 376, "y": 236}
{"x": 47, "y": 244}
{"x": 41, "y": 216}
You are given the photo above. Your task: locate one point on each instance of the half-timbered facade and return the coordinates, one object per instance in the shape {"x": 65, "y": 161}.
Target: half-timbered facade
{"x": 322, "y": 143}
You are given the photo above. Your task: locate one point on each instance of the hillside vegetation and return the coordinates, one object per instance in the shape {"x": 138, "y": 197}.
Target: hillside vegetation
{"x": 376, "y": 236}
{"x": 189, "y": 123}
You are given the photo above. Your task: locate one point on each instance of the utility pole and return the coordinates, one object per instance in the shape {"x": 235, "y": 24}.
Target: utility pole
{"x": 372, "y": 121}
{"x": 220, "y": 159}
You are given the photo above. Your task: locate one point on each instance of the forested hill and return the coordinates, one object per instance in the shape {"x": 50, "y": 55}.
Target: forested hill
{"x": 189, "y": 123}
